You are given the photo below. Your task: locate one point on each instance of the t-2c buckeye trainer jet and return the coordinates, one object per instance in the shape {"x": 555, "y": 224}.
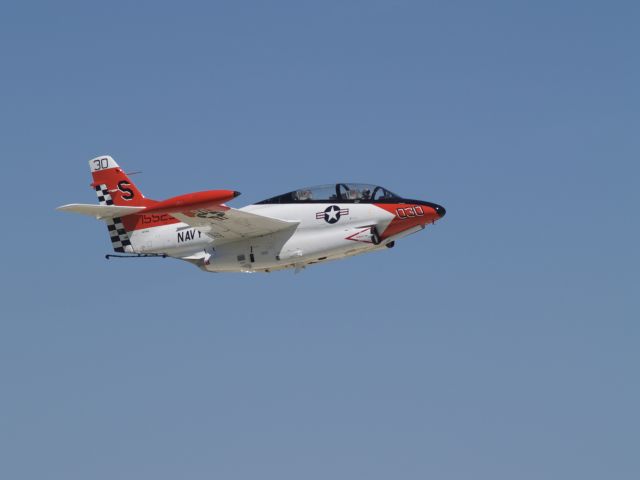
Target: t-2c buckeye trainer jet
{"x": 293, "y": 230}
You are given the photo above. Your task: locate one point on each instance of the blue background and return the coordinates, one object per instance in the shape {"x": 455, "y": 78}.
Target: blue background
{"x": 501, "y": 343}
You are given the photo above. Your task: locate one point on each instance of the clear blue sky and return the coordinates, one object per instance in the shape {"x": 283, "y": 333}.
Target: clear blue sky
{"x": 500, "y": 344}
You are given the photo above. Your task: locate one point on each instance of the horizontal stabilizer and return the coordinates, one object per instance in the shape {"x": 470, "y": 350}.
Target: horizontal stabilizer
{"x": 100, "y": 211}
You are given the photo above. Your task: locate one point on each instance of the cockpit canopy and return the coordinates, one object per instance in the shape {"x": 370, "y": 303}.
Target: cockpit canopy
{"x": 339, "y": 193}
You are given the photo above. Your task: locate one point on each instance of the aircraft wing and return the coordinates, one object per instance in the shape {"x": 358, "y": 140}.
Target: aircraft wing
{"x": 230, "y": 224}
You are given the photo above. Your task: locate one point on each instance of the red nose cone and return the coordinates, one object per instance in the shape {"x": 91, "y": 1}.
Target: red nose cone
{"x": 409, "y": 215}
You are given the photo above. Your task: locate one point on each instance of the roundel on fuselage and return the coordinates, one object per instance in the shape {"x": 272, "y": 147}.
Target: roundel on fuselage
{"x": 332, "y": 214}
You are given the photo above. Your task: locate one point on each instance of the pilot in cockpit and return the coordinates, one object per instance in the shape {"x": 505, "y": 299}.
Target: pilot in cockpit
{"x": 303, "y": 195}
{"x": 352, "y": 194}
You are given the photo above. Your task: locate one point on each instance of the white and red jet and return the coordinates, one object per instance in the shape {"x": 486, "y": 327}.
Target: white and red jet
{"x": 292, "y": 230}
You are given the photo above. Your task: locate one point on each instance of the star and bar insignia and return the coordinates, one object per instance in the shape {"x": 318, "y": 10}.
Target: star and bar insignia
{"x": 332, "y": 214}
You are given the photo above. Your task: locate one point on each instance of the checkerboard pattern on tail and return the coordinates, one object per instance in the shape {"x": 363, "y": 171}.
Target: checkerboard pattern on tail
{"x": 104, "y": 197}
{"x": 117, "y": 233}
{"x": 119, "y": 236}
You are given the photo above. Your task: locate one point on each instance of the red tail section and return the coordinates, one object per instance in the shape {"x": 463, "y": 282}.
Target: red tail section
{"x": 114, "y": 187}
{"x": 107, "y": 175}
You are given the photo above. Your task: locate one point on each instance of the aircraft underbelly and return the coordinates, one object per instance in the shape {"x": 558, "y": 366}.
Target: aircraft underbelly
{"x": 270, "y": 253}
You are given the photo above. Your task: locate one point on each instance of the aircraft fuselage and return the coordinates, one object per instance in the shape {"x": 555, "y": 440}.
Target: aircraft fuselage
{"x": 326, "y": 231}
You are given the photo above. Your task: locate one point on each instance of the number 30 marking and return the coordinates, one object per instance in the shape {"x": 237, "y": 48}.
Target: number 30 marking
{"x": 101, "y": 163}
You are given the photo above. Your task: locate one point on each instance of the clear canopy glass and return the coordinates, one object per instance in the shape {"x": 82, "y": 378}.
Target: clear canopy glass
{"x": 339, "y": 192}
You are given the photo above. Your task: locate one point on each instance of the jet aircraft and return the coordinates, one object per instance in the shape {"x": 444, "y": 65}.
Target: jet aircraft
{"x": 292, "y": 230}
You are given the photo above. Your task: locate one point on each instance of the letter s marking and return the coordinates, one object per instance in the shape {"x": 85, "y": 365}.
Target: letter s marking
{"x": 127, "y": 193}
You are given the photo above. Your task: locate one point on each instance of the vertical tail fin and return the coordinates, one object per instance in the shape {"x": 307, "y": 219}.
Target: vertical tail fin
{"x": 113, "y": 187}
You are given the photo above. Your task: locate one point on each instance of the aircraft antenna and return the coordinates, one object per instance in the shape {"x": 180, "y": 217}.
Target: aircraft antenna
{"x": 136, "y": 255}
